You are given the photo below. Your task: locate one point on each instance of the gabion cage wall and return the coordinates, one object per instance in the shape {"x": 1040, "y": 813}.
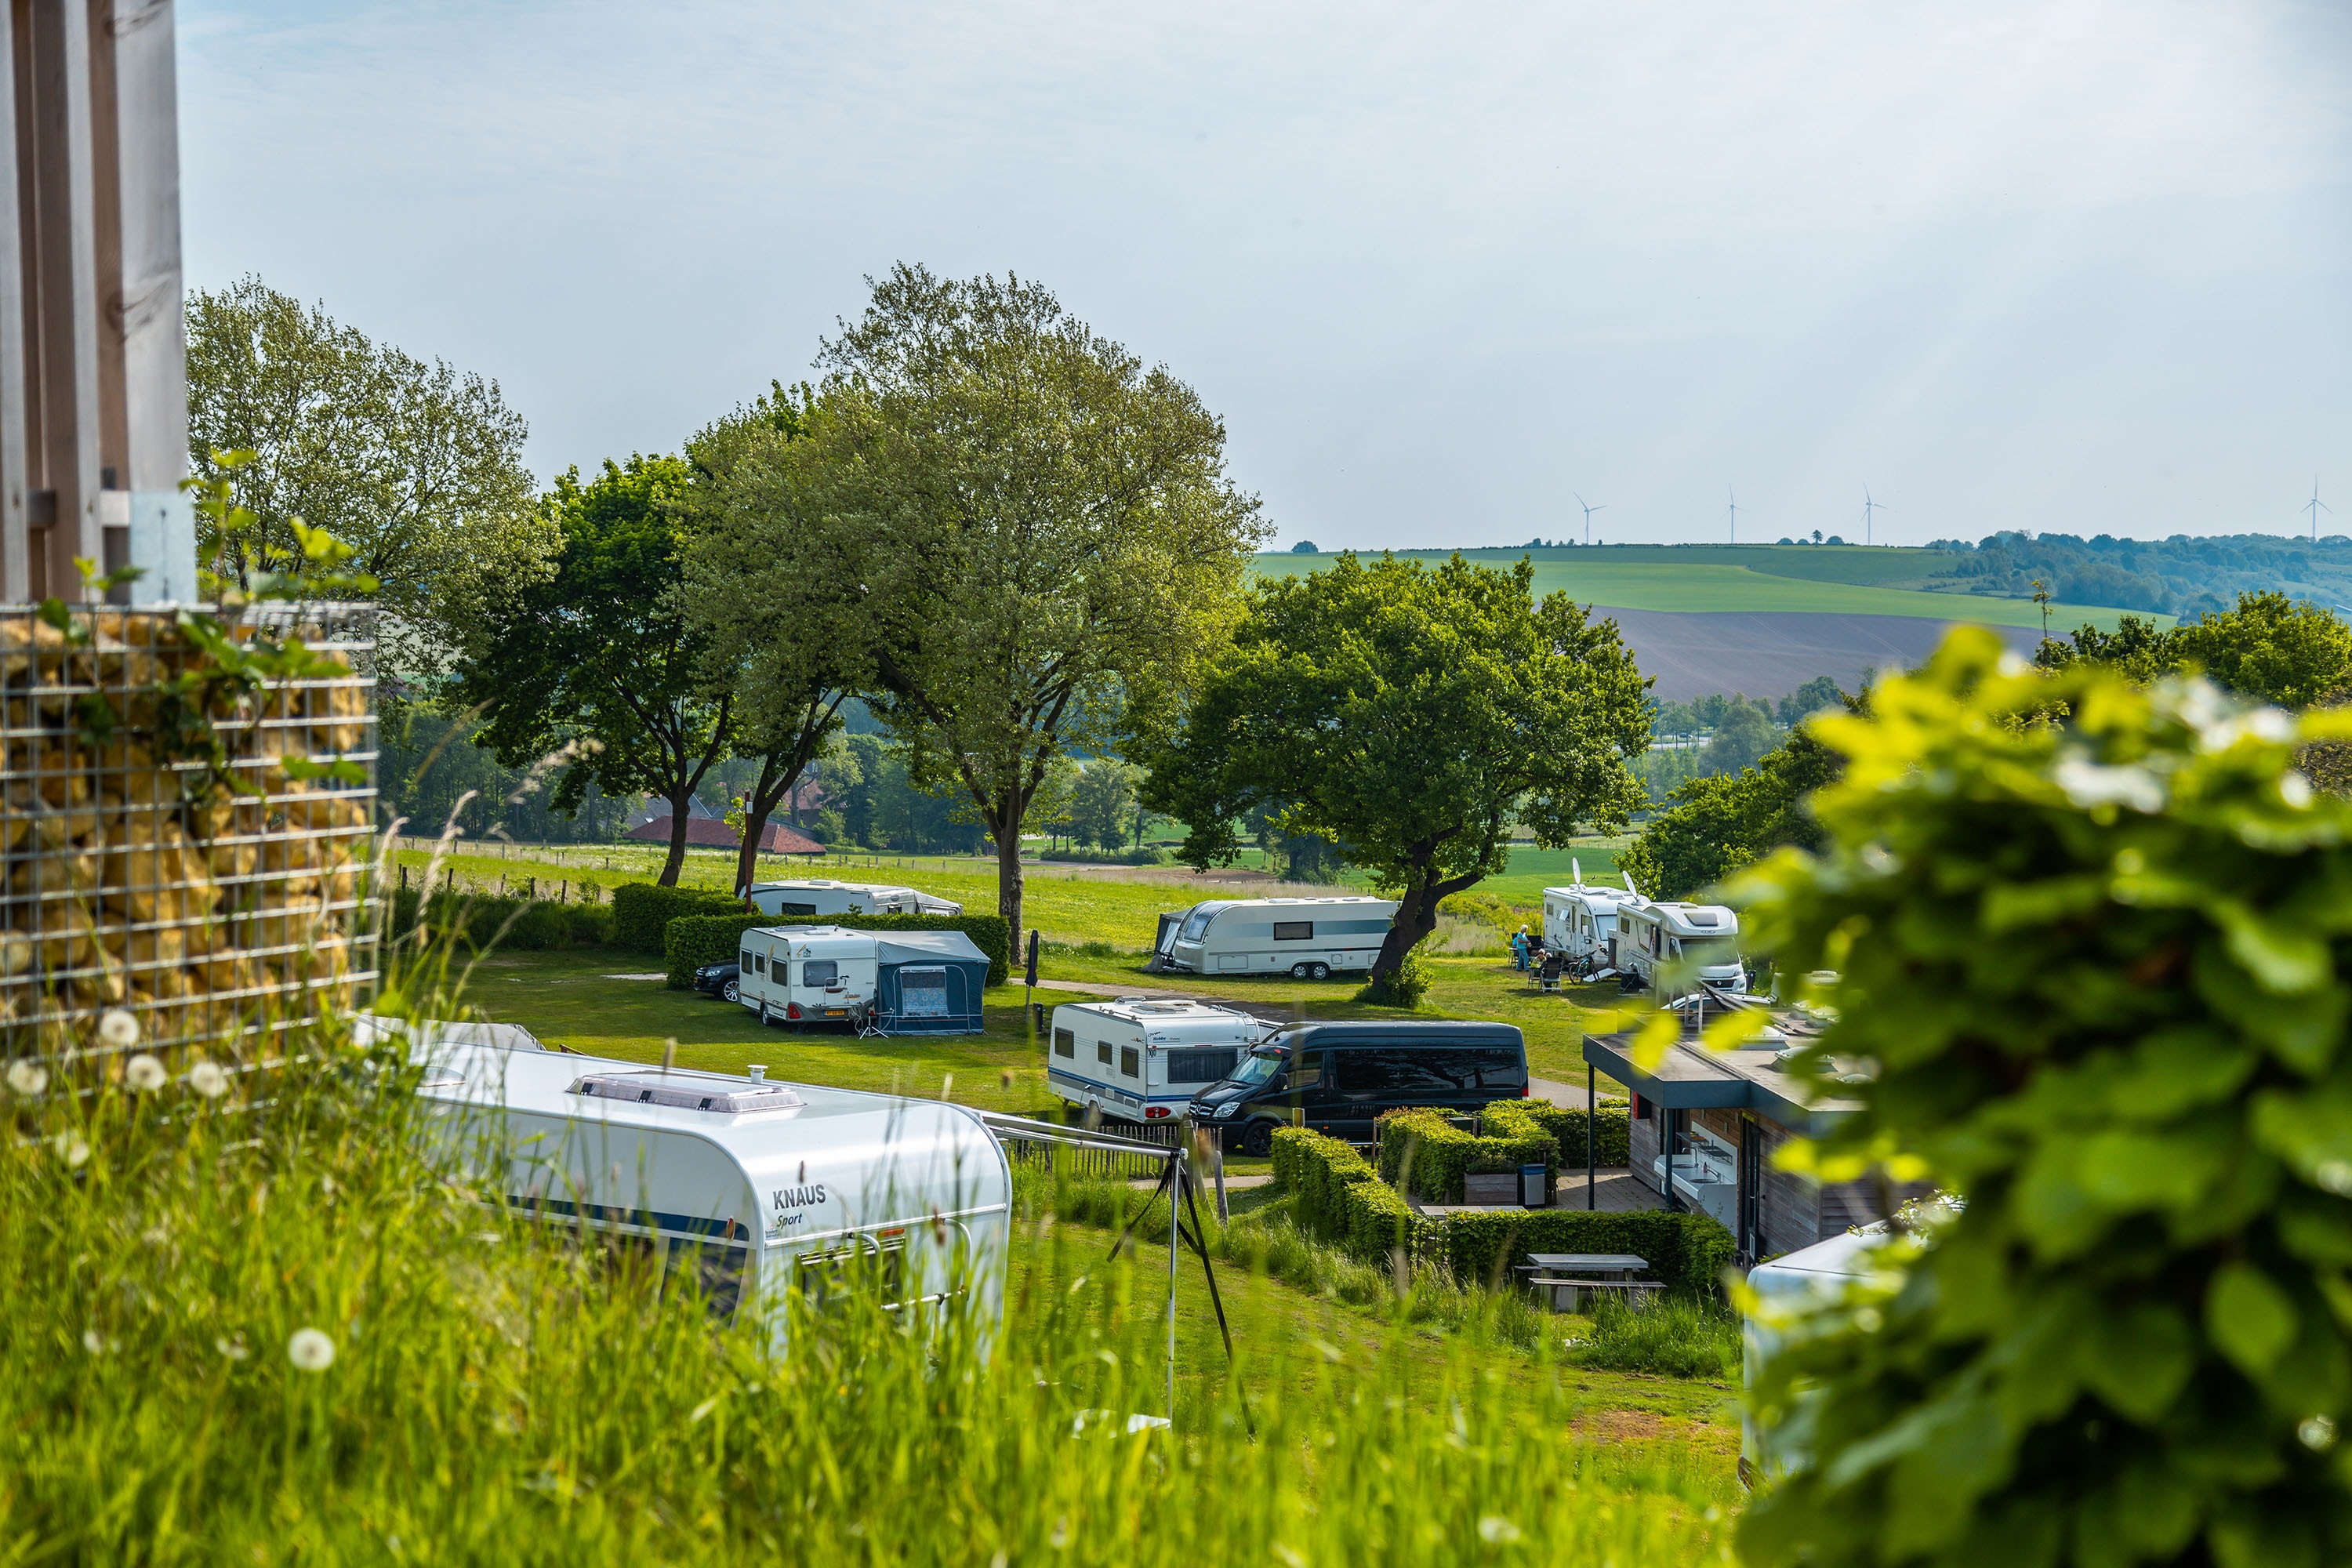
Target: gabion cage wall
{"x": 218, "y": 899}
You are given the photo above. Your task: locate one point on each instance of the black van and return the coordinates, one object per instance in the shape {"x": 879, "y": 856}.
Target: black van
{"x": 1343, "y": 1075}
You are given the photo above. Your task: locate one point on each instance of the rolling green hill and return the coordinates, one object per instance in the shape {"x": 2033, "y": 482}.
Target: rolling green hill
{"x": 1787, "y": 579}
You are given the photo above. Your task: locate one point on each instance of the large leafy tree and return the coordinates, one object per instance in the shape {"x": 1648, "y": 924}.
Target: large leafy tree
{"x": 1045, "y": 527}
{"x": 775, "y": 605}
{"x": 597, "y": 666}
{"x": 1417, "y": 715}
{"x": 1717, "y": 825}
{"x": 417, "y": 467}
{"x": 2269, "y": 648}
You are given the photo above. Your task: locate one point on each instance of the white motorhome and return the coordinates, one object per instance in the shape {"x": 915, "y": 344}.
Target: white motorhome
{"x": 1310, "y": 939}
{"x": 1672, "y": 947}
{"x": 760, "y": 1187}
{"x": 817, "y": 896}
{"x": 1143, "y": 1061}
{"x": 1581, "y": 918}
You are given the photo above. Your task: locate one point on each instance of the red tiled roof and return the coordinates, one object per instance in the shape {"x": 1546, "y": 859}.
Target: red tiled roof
{"x": 713, "y": 832}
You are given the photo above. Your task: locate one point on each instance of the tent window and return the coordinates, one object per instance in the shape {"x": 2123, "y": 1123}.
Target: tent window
{"x": 1066, "y": 1044}
{"x": 820, "y": 972}
{"x": 1294, "y": 930}
{"x": 923, "y": 993}
{"x": 1130, "y": 1061}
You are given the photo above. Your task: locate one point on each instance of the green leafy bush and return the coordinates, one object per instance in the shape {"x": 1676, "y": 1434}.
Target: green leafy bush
{"x": 1677, "y": 1337}
{"x": 1319, "y": 1170}
{"x": 643, "y": 910}
{"x": 2096, "y": 970}
{"x": 1403, "y": 986}
{"x": 693, "y": 941}
{"x": 1686, "y": 1252}
{"x": 1566, "y": 1124}
{"x": 511, "y": 923}
{"x": 1423, "y": 1151}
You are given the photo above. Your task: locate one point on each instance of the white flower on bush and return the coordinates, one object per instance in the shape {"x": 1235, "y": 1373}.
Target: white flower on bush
{"x": 310, "y": 1351}
{"x": 27, "y": 1077}
{"x": 209, "y": 1080}
{"x": 118, "y": 1029}
{"x": 143, "y": 1073}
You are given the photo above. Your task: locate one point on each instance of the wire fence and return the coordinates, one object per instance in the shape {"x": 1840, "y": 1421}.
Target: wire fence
{"x": 180, "y": 840}
{"x": 1108, "y": 1163}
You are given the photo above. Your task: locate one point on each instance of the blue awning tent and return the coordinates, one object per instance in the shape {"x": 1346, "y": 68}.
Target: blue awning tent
{"x": 927, "y": 982}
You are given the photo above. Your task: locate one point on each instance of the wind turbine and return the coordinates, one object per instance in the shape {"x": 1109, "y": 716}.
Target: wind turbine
{"x": 2314, "y": 505}
{"x": 1869, "y": 506}
{"x": 1735, "y": 514}
{"x": 1589, "y": 510}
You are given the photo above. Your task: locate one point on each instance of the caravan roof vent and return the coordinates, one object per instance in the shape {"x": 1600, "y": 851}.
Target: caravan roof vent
{"x": 687, "y": 1092}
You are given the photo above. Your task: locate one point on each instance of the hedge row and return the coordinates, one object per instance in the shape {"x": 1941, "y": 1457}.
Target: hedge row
{"x": 515, "y": 924}
{"x": 693, "y": 941}
{"x": 1612, "y": 1126}
{"x": 1688, "y": 1252}
{"x": 642, "y": 912}
{"x": 1340, "y": 1196}
{"x": 1425, "y": 1153}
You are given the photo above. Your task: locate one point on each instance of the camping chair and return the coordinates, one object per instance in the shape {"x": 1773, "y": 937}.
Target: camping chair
{"x": 1548, "y": 977}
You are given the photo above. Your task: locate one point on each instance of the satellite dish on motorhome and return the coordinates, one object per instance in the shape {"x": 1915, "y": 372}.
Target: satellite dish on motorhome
{"x": 1628, "y": 883}
{"x": 1576, "y": 869}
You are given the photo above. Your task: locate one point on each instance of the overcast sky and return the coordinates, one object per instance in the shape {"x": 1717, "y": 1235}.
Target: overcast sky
{"x": 2075, "y": 265}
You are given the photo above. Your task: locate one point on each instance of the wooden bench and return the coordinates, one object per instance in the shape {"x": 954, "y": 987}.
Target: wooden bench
{"x": 1565, "y": 1295}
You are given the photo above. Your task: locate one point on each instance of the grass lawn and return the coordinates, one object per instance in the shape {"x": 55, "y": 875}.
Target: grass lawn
{"x": 1768, "y": 578}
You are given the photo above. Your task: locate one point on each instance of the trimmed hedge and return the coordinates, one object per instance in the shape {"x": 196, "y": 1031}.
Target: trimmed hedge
{"x": 536, "y": 925}
{"x": 1375, "y": 1221}
{"x": 1686, "y": 1252}
{"x": 1423, "y": 1148}
{"x": 1319, "y": 1170}
{"x": 1615, "y": 1124}
{"x": 642, "y": 912}
{"x": 694, "y": 940}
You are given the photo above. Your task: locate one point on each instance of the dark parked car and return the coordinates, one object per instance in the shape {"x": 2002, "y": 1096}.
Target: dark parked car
{"x": 717, "y": 979}
{"x": 1342, "y": 1076}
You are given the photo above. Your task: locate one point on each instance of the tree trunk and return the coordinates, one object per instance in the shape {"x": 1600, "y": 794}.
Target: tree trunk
{"x": 676, "y": 862}
{"x": 758, "y": 806}
{"x": 1416, "y": 916}
{"x": 1008, "y": 882}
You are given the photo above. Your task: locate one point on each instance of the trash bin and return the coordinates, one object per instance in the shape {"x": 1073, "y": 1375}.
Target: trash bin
{"x": 1535, "y": 1192}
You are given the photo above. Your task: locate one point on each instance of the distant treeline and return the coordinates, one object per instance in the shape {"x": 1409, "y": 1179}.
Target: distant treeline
{"x": 2177, "y": 576}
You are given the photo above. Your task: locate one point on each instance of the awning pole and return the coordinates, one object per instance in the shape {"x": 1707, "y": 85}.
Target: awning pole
{"x": 1591, "y": 1111}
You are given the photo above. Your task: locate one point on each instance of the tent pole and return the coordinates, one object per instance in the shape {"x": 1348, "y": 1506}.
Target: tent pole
{"x": 1176, "y": 1166}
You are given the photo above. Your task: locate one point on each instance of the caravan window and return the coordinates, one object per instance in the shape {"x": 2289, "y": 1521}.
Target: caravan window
{"x": 1102, "y": 1052}
{"x": 1294, "y": 930}
{"x": 1196, "y": 925}
{"x": 1201, "y": 1066}
{"x": 1130, "y": 1061}
{"x": 820, "y": 972}
{"x": 1066, "y": 1044}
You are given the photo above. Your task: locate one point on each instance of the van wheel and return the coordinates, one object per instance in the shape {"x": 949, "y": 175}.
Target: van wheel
{"x": 1319, "y": 971}
{"x": 1257, "y": 1138}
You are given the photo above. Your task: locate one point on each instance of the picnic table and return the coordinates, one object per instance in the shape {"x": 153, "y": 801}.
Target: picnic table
{"x": 1566, "y": 1277}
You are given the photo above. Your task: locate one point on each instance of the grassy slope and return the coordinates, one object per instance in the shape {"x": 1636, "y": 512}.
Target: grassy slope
{"x": 1725, "y": 580}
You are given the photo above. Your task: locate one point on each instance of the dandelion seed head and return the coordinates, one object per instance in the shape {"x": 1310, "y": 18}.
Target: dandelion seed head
{"x": 143, "y": 1073}
{"x": 118, "y": 1029}
{"x": 310, "y": 1351}
{"x": 27, "y": 1079}
{"x": 1496, "y": 1530}
{"x": 72, "y": 1148}
{"x": 233, "y": 1348}
{"x": 209, "y": 1080}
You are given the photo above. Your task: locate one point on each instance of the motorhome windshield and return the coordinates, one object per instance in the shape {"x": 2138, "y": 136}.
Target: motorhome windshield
{"x": 1709, "y": 951}
{"x": 1257, "y": 1068}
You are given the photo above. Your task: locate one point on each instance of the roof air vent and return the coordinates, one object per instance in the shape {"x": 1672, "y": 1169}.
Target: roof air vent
{"x": 687, "y": 1092}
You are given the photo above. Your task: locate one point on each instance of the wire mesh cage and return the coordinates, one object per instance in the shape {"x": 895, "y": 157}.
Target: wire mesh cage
{"x": 185, "y": 823}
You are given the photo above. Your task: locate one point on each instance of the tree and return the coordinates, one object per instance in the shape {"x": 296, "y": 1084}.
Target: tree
{"x": 1415, "y": 714}
{"x": 784, "y": 628}
{"x": 1742, "y": 733}
{"x": 2270, "y": 647}
{"x": 418, "y": 468}
{"x": 1810, "y": 699}
{"x": 1715, "y": 826}
{"x": 598, "y": 658}
{"x": 1103, "y": 804}
{"x": 1045, "y": 530}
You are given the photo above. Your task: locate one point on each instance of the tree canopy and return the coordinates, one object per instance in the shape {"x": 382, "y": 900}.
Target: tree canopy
{"x": 1043, "y": 528}
{"x": 1416, "y": 714}
{"x": 2270, "y": 647}
{"x": 596, "y": 668}
{"x": 417, "y": 467}
{"x": 1715, "y": 826}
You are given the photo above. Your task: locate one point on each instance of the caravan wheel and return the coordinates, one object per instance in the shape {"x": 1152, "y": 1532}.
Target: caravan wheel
{"x": 1300, "y": 970}
{"x": 1319, "y": 971}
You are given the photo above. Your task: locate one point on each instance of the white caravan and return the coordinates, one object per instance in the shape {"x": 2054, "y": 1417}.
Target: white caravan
{"x": 1809, "y": 1276}
{"x": 812, "y": 973}
{"x": 1143, "y": 1061}
{"x": 1690, "y": 944}
{"x": 1581, "y": 918}
{"x": 816, "y": 896}
{"x": 759, "y": 1187}
{"x": 1309, "y": 938}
